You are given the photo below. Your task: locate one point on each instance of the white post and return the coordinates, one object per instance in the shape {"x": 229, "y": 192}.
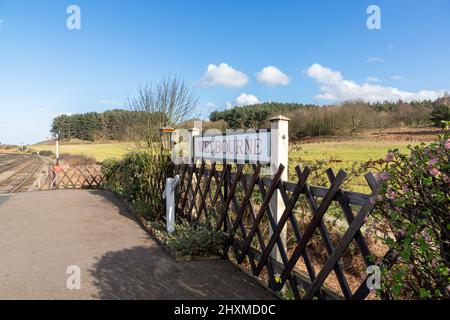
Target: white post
{"x": 169, "y": 194}
{"x": 57, "y": 151}
{"x": 194, "y": 132}
{"x": 279, "y": 144}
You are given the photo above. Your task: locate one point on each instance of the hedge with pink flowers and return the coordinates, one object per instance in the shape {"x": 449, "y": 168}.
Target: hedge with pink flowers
{"x": 413, "y": 220}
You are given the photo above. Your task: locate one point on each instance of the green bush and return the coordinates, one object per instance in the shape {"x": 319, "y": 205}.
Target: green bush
{"x": 140, "y": 178}
{"x": 197, "y": 240}
{"x": 46, "y": 153}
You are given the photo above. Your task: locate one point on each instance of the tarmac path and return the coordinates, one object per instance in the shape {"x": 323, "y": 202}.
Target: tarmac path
{"x": 43, "y": 233}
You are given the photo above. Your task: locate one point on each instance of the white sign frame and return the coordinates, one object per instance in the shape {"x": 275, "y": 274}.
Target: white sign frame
{"x": 252, "y": 147}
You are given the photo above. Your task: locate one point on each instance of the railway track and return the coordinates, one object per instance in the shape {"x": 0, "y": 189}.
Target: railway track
{"x": 12, "y": 161}
{"x": 16, "y": 174}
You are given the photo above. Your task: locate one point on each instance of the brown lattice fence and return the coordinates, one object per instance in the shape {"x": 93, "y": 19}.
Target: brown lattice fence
{"x": 238, "y": 203}
{"x": 75, "y": 177}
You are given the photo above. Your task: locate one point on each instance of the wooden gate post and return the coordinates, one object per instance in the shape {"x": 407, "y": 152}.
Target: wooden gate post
{"x": 279, "y": 145}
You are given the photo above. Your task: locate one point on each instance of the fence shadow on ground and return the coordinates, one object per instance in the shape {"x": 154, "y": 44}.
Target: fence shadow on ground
{"x": 149, "y": 273}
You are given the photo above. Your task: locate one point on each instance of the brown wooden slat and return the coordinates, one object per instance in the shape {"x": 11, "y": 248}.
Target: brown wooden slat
{"x": 315, "y": 221}
{"x": 198, "y": 177}
{"x": 340, "y": 248}
{"x": 297, "y": 233}
{"x": 328, "y": 242}
{"x": 283, "y": 219}
{"x": 245, "y": 203}
{"x": 276, "y": 180}
{"x": 188, "y": 187}
{"x": 221, "y": 182}
{"x": 232, "y": 191}
{"x": 345, "y": 206}
{"x": 355, "y": 198}
{"x": 299, "y": 276}
{"x": 260, "y": 237}
{"x": 243, "y": 232}
{"x": 182, "y": 183}
{"x": 208, "y": 184}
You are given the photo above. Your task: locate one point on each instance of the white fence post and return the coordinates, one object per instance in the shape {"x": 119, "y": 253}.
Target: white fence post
{"x": 169, "y": 194}
{"x": 194, "y": 132}
{"x": 279, "y": 144}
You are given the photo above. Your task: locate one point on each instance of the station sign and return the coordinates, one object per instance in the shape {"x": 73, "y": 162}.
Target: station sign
{"x": 251, "y": 147}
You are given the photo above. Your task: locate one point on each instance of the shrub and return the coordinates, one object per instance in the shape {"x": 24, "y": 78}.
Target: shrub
{"x": 77, "y": 159}
{"x": 414, "y": 221}
{"x": 197, "y": 240}
{"x": 140, "y": 177}
{"x": 46, "y": 153}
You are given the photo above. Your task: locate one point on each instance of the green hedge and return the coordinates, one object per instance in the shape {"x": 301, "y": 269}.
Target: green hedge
{"x": 140, "y": 178}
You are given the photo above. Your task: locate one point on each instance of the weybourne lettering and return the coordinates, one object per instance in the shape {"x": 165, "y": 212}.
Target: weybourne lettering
{"x": 245, "y": 147}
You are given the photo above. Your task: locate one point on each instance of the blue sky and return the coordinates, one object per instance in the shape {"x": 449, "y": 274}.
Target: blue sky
{"x": 317, "y": 51}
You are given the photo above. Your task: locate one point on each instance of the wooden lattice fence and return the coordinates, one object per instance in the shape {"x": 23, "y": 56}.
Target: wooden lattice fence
{"x": 239, "y": 205}
{"x": 75, "y": 177}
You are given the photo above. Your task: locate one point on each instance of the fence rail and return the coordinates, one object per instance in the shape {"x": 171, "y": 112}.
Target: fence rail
{"x": 239, "y": 204}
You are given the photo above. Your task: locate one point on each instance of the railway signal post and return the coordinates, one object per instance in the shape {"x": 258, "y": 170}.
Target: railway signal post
{"x": 56, "y": 138}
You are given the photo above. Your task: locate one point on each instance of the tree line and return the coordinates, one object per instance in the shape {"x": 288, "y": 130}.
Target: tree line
{"x": 347, "y": 118}
{"x": 255, "y": 116}
{"x": 91, "y": 126}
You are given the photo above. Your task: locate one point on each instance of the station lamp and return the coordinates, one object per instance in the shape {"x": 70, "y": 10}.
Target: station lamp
{"x": 166, "y": 134}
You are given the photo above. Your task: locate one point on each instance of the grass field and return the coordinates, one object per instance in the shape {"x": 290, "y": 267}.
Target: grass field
{"x": 98, "y": 151}
{"x": 343, "y": 153}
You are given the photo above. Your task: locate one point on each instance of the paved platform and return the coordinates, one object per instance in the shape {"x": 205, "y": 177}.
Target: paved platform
{"x": 43, "y": 233}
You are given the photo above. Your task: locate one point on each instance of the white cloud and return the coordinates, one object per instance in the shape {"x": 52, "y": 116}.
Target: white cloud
{"x": 272, "y": 76}
{"x": 373, "y": 79}
{"x": 246, "y": 100}
{"x": 39, "y": 109}
{"x": 375, "y": 59}
{"x": 335, "y": 87}
{"x": 224, "y": 75}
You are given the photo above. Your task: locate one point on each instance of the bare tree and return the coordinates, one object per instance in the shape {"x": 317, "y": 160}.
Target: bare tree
{"x": 381, "y": 120}
{"x": 170, "y": 102}
{"x": 355, "y": 116}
